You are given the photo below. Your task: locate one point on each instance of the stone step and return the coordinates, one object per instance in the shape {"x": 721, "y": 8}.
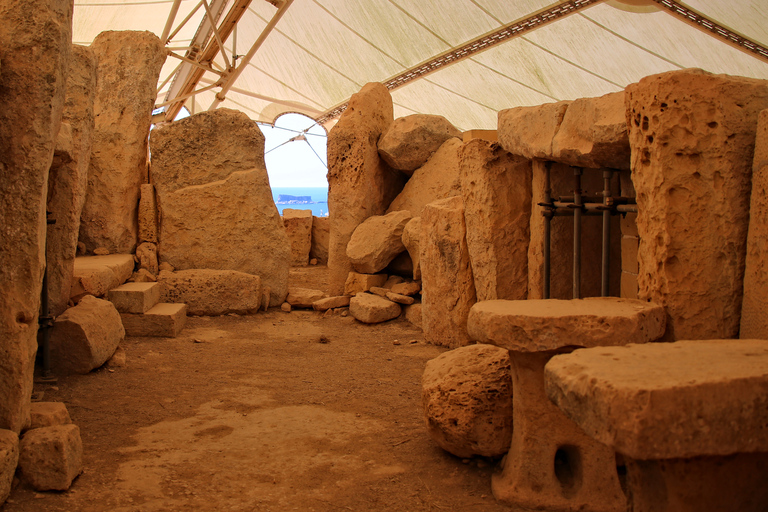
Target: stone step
{"x": 96, "y": 275}
{"x": 164, "y": 320}
{"x": 136, "y": 298}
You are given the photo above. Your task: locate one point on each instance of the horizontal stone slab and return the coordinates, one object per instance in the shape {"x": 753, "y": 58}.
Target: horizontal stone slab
{"x": 164, "y": 320}
{"x": 135, "y": 297}
{"x": 212, "y": 292}
{"x": 96, "y": 275}
{"x": 667, "y": 400}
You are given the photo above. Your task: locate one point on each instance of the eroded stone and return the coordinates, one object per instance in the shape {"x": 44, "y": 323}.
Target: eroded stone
{"x": 376, "y": 242}
{"x": 212, "y": 292}
{"x": 410, "y": 141}
{"x": 372, "y": 309}
{"x": 50, "y": 458}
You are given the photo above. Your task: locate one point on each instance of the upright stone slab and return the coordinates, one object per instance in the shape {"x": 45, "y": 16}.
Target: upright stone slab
{"x": 410, "y": 141}
{"x": 321, "y": 232}
{"x": 448, "y": 287}
{"x": 215, "y": 203}
{"x": 128, "y": 69}
{"x": 411, "y": 240}
{"x": 147, "y": 214}
{"x": 496, "y": 187}
{"x": 68, "y": 176}
{"x": 298, "y": 228}
{"x": 693, "y": 137}
{"x": 754, "y": 319}
{"x": 35, "y": 47}
{"x": 360, "y": 183}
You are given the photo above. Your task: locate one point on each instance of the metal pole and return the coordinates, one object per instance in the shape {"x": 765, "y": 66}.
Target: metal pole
{"x": 547, "y": 229}
{"x": 169, "y": 22}
{"x": 608, "y": 202}
{"x": 577, "y": 171}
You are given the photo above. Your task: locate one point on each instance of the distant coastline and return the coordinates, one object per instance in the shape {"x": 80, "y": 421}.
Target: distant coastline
{"x": 302, "y": 198}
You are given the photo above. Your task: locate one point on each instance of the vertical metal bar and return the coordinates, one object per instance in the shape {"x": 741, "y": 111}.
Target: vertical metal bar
{"x": 547, "y": 228}
{"x": 608, "y": 202}
{"x": 169, "y": 22}
{"x": 577, "y": 171}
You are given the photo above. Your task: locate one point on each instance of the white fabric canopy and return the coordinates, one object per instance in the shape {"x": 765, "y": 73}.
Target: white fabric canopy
{"x": 323, "y": 51}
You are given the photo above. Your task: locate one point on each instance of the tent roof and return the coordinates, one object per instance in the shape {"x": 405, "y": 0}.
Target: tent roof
{"x": 463, "y": 59}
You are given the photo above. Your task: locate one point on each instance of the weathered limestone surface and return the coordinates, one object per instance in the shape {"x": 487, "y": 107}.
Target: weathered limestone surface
{"x": 410, "y": 141}
{"x": 436, "y": 179}
{"x": 693, "y": 137}
{"x": 529, "y": 131}
{"x": 97, "y": 275}
{"x": 85, "y": 336}
{"x": 216, "y": 207}
{"x": 372, "y": 309}
{"x": 163, "y": 320}
{"x": 147, "y": 214}
{"x": 48, "y": 414}
{"x": 68, "y": 178}
{"x": 303, "y": 297}
{"x": 448, "y": 288}
{"x": 321, "y": 232}
{"x": 9, "y": 459}
{"x": 50, "y": 458}
{"x": 400, "y": 299}
{"x": 413, "y": 314}
{"x": 129, "y": 65}
{"x": 496, "y": 188}
{"x": 327, "y": 303}
{"x": 540, "y": 325}
{"x": 594, "y": 134}
{"x": 212, "y": 292}
{"x": 409, "y": 288}
{"x": 467, "y": 398}
{"x": 362, "y": 282}
{"x": 135, "y": 297}
{"x": 360, "y": 183}
{"x": 754, "y": 320}
{"x": 35, "y": 47}
{"x": 298, "y": 228}
{"x": 411, "y": 238}
{"x": 146, "y": 253}
{"x": 376, "y": 241}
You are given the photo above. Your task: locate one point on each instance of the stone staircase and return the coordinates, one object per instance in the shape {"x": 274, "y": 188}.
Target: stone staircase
{"x": 143, "y": 314}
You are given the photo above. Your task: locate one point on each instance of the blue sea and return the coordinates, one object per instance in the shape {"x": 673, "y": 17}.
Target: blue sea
{"x": 319, "y": 195}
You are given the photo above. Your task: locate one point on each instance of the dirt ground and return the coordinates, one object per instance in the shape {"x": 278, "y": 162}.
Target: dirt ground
{"x": 259, "y": 413}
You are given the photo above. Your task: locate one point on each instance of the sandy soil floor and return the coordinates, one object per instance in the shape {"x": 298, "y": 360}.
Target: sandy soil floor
{"x": 268, "y": 412}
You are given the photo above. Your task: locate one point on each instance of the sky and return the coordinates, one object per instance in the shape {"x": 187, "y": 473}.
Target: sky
{"x": 297, "y": 163}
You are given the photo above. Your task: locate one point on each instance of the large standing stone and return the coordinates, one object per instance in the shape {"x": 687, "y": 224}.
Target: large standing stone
{"x": 147, "y": 214}
{"x": 215, "y": 203}
{"x": 436, "y": 179}
{"x": 68, "y": 177}
{"x": 50, "y": 458}
{"x": 377, "y": 241}
{"x": 321, "y": 232}
{"x": 128, "y": 69}
{"x": 298, "y": 228}
{"x": 594, "y": 133}
{"x": 86, "y": 336}
{"x": 529, "y": 131}
{"x": 410, "y": 141}
{"x": 496, "y": 187}
{"x": 9, "y": 458}
{"x": 360, "y": 183}
{"x": 35, "y": 46}
{"x": 212, "y": 292}
{"x": 448, "y": 288}
{"x": 754, "y": 320}
{"x": 693, "y": 137}
{"x": 467, "y": 398}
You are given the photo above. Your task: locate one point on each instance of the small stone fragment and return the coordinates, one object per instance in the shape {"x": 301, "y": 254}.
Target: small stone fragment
{"x": 118, "y": 359}
{"x": 392, "y": 281}
{"x": 379, "y": 290}
{"x": 413, "y": 314}
{"x": 409, "y": 288}
{"x": 285, "y": 307}
{"x": 303, "y": 297}
{"x": 48, "y": 414}
{"x": 400, "y": 299}
{"x": 101, "y": 251}
{"x": 329, "y": 303}
{"x": 372, "y": 309}
{"x": 362, "y": 282}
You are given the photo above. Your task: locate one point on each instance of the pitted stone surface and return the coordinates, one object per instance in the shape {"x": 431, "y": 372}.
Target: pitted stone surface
{"x": 529, "y": 131}
{"x": 321, "y": 231}
{"x": 376, "y": 242}
{"x": 467, "y": 398}
{"x": 212, "y": 292}
{"x": 543, "y": 325}
{"x": 372, "y": 309}
{"x": 48, "y": 414}
{"x": 410, "y": 141}
{"x": 668, "y": 400}
{"x": 50, "y": 458}
{"x": 9, "y": 459}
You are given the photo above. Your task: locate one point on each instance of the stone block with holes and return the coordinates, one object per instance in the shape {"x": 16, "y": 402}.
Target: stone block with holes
{"x": 135, "y": 298}
{"x": 50, "y": 458}
{"x": 552, "y": 464}
{"x": 163, "y": 320}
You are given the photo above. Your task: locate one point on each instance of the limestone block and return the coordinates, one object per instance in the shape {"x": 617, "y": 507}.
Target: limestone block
{"x": 466, "y": 394}
{"x": 9, "y": 459}
{"x": 662, "y": 401}
{"x": 379, "y": 290}
{"x": 135, "y": 297}
{"x": 542, "y": 325}
{"x": 754, "y": 321}
{"x": 693, "y": 136}
{"x": 372, "y": 309}
{"x": 594, "y": 134}
{"x": 410, "y": 141}
{"x": 496, "y": 188}
{"x": 303, "y": 297}
{"x": 96, "y": 275}
{"x": 298, "y": 227}
{"x": 436, "y": 179}
{"x": 392, "y": 281}
{"x": 68, "y": 177}
{"x": 448, "y": 289}
{"x": 529, "y": 131}
{"x": 321, "y": 231}
{"x": 35, "y": 47}
{"x": 147, "y": 214}
{"x": 362, "y": 282}
{"x": 327, "y": 303}
{"x": 212, "y": 292}
{"x": 163, "y": 320}
{"x": 411, "y": 237}
{"x": 202, "y": 167}
{"x": 146, "y": 252}
{"x": 400, "y": 299}
{"x": 409, "y": 288}
{"x": 50, "y": 458}
{"x": 360, "y": 183}
{"x": 413, "y": 314}
{"x": 48, "y": 414}
{"x": 129, "y": 65}
{"x": 85, "y": 336}
{"x": 376, "y": 241}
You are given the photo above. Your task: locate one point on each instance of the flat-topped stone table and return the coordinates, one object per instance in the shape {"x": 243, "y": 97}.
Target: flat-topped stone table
{"x": 690, "y": 418}
{"x": 552, "y": 464}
